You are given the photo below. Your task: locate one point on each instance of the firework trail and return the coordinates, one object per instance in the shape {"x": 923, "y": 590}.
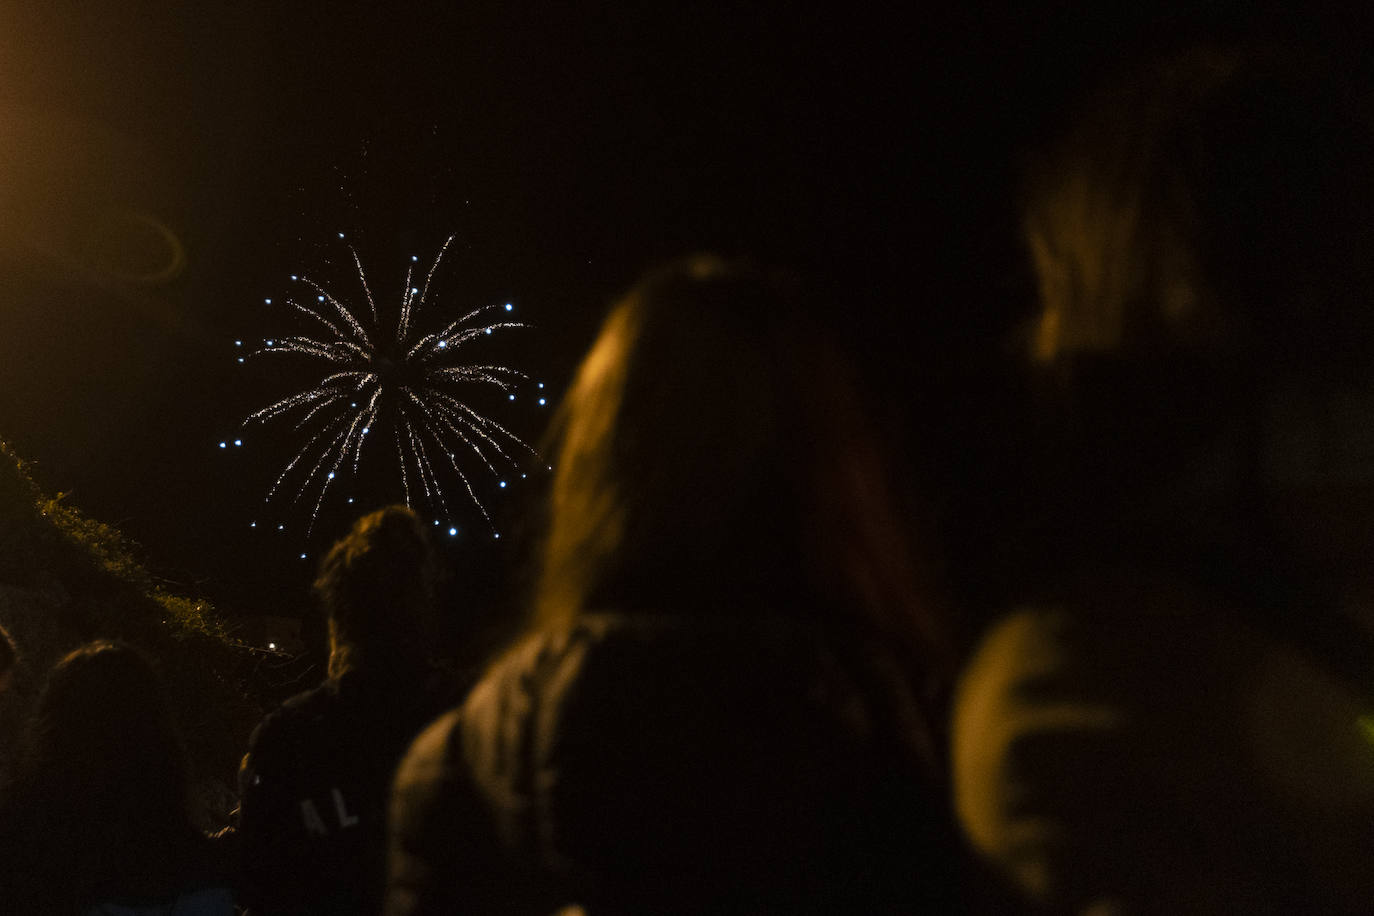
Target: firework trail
{"x": 384, "y": 382}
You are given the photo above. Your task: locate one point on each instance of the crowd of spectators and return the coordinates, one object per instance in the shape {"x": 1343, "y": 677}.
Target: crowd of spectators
{"x": 741, "y": 686}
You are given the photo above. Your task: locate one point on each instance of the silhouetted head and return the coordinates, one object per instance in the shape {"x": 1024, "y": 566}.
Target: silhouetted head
{"x": 377, "y": 587}
{"x": 714, "y": 455}
{"x": 1203, "y": 243}
{"x": 102, "y": 734}
{"x": 1214, "y": 205}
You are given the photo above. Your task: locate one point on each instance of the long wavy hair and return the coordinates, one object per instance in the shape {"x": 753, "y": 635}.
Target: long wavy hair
{"x": 715, "y": 455}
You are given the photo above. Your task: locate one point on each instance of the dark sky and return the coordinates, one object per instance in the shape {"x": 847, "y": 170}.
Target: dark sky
{"x": 165, "y": 166}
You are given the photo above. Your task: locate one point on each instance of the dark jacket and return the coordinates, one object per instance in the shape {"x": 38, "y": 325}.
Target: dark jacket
{"x": 314, "y": 786}
{"x": 656, "y": 763}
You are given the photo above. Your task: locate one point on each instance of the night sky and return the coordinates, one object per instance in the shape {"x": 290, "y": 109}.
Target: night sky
{"x": 165, "y": 166}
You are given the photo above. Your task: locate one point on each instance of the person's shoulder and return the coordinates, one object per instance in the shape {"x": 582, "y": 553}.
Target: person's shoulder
{"x": 284, "y": 724}
{"x": 432, "y": 751}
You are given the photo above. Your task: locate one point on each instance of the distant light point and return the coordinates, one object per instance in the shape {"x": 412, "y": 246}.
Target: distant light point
{"x": 238, "y": 343}
{"x": 271, "y": 645}
{"x": 503, "y": 484}
{"x": 488, "y": 330}
{"x": 319, "y": 298}
{"x": 340, "y": 235}
{"x": 331, "y": 475}
{"x": 512, "y": 397}
{"x": 509, "y": 307}
{"x": 268, "y": 301}
{"x": 224, "y": 445}
{"x": 281, "y": 527}
{"x": 252, "y": 524}
{"x": 302, "y": 556}
{"x": 443, "y": 344}
{"x": 496, "y": 534}
{"x": 541, "y": 384}
{"x": 238, "y": 441}
{"x": 541, "y": 402}
{"x": 452, "y": 532}
{"x": 240, "y": 359}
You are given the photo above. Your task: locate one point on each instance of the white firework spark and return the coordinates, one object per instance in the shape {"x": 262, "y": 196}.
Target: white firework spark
{"x": 379, "y": 372}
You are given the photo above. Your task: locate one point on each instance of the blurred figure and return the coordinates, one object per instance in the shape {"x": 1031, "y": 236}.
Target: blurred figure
{"x": 314, "y": 782}
{"x": 1177, "y": 719}
{"x": 97, "y": 820}
{"x": 729, "y": 696}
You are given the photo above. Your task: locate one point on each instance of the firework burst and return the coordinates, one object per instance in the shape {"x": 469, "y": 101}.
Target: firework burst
{"x": 385, "y": 384}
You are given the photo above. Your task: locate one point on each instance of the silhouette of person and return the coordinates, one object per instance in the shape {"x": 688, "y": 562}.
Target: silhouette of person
{"x": 315, "y": 779}
{"x": 97, "y": 819}
{"x": 1175, "y": 717}
{"x": 728, "y": 696}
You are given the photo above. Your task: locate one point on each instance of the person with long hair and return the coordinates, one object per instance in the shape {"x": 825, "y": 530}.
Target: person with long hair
{"x": 97, "y": 820}
{"x": 730, "y": 692}
{"x": 1175, "y": 717}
